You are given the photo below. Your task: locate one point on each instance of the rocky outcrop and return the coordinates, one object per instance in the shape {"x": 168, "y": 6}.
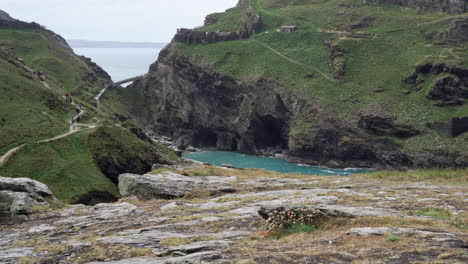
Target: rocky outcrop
{"x": 5, "y": 16}
{"x": 251, "y": 23}
{"x": 448, "y": 6}
{"x": 456, "y": 33}
{"x": 191, "y": 36}
{"x": 450, "y": 87}
{"x": 203, "y": 108}
{"x": 168, "y": 185}
{"x": 113, "y": 157}
{"x": 335, "y": 146}
{"x": 19, "y": 195}
{"x": 447, "y": 88}
{"x": 382, "y": 126}
{"x": 336, "y": 54}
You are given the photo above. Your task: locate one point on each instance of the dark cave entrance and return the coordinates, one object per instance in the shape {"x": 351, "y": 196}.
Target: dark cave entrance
{"x": 205, "y": 138}
{"x": 269, "y": 132}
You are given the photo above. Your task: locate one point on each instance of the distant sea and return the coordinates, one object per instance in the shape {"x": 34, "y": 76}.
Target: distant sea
{"x": 121, "y": 63}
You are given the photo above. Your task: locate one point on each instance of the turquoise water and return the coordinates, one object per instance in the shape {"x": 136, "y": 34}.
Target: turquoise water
{"x": 240, "y": 160}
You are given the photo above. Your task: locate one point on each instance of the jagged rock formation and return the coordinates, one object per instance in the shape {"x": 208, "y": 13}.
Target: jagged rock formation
{"x": 456, "y": 33}
{"x": 5, "y": 16}
{"x": 450, "y": 87}
{"x": 336, "y": 55}
{"x": 18, "y": 196}
{"x": 449, "y": 6}
{"x": 251, "y": 23}
{"x": 385, "y": 127}
{"x": 217, "y": 110}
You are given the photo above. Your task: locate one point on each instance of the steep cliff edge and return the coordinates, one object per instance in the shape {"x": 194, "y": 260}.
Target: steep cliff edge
{"x": 332, "y": 93}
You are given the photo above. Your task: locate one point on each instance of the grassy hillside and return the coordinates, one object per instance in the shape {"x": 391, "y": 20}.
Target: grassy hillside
{"x": 69, "y": 165}
{"x": 30, "y": 109}
{"x": 81, "y": 167}
{"x": 383, "y": 46}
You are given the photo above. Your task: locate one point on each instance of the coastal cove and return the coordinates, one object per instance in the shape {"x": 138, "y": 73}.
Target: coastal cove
{"x": 245, "y": 161}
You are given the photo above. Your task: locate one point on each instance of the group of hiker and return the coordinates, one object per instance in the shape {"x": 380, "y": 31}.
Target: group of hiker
{"x": 78, "y": 110}
{"x": 41, "y": 75}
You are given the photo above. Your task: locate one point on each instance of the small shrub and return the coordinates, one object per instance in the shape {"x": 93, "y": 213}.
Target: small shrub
{"x": 393, "y": 238}
{"x": 294, "y": 220}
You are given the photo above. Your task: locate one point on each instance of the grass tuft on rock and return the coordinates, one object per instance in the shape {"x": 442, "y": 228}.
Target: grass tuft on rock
{"x": 434, "y": 212}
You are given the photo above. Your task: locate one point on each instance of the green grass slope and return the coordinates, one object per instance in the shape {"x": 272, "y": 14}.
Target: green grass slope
{"x": 379, "y": 55}
{"x": 71, "y": 166}
{"x": 81, "y": 167}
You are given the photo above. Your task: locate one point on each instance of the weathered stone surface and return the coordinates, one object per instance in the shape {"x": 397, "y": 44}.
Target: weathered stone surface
{"x": 456, "y": 33}
{"x": 41, "y": 228}
{"x": 196, "y": 258}
{"x": 15, "y": 253}
{"x": 380, "y": 231}
{"x": 24, "y": 185}
{"x": 449, "y": 6}
{"x": 192, "y": 248}
{"x": 19, "y": 195}
{"x": 382, "y": 126}
{"x": 167, "y": 185}
{"x": 228, "y": 224}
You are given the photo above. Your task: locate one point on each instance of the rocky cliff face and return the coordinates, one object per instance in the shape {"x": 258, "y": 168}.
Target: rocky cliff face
{"x": 199, "y": 107}
{"x": 251, "y": 23}
{"x": 205, "y": 109}
{"x": 448, "y": 6}
{"x": 456, "y": 33}
{"x": 5, "y": 16}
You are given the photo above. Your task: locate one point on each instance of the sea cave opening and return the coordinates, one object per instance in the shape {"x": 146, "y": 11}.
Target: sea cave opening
{"x": 205, "y": 138}
{"x": 269, "y": 132}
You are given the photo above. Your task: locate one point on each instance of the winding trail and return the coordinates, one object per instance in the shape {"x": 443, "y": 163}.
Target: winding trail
{"x": 74, "y": 128}
{"x": 295, "y": 61}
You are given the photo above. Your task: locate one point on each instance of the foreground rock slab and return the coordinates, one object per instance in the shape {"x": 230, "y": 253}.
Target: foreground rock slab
{"x": 19, "y": 195}
{"x": 196, "y": 258}
{"x": 168, "y": 185}
{"x": 219, "y": 227}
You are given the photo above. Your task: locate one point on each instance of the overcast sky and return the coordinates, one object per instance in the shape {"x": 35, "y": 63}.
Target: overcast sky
{"x": 115, "y": 20}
